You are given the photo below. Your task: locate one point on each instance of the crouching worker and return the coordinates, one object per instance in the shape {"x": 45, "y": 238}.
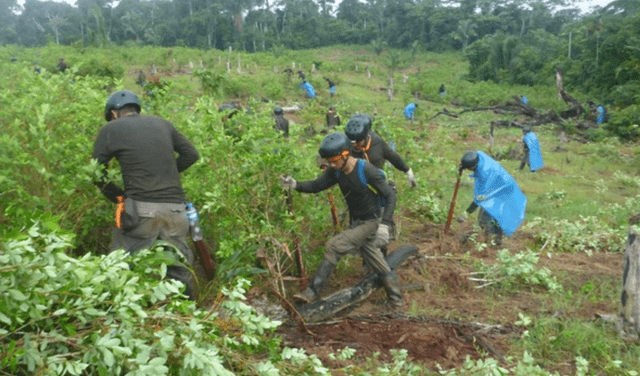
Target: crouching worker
{"x": 502, "y": 204}
{"x": 153, "y": 199}
{"x": 367, "y": 232}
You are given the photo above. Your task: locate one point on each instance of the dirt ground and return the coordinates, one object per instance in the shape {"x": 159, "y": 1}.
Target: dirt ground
{"x": 445, "y": 317}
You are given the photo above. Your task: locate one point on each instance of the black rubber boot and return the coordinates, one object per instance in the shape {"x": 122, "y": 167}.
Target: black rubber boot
{"x": 316, "y": 283}
{"x": 392, "y": 286}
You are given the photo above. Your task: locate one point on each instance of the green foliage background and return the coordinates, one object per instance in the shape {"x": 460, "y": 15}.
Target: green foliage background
{"x": 55, "y": 225}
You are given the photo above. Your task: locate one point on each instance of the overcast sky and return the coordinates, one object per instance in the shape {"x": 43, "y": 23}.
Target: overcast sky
{"x": 584, "y": 5}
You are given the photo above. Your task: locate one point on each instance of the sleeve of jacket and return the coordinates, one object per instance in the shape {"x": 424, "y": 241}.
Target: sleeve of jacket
{"x": 326, "y": 180}
{"x": 394, "y": 158}
{"x": 103, "y": 155}
{"x": 375, "y": 179}
{"x": 187, "y": 153}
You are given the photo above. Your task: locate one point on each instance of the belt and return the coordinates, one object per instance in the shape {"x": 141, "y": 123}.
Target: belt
{"x": 150, "y": 209}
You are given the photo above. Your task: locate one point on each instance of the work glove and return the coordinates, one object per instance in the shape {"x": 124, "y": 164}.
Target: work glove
{"x": 382, "y": 235}
{"x": 287, "y": 182}
{"x": 463, "y": 217}
{"x": 411, "y": 179}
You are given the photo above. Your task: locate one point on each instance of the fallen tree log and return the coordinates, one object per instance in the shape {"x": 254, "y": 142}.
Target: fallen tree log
{"x": 327, "y": 307}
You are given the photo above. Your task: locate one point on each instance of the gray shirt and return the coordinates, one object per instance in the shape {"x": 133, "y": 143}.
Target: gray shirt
{"x": 145, "y": 146}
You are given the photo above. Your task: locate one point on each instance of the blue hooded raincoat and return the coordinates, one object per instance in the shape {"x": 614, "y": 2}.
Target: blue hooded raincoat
{"x": 498, "y": 194}
{"x": 535, "y": 155}
{"x": 409, "y": 110}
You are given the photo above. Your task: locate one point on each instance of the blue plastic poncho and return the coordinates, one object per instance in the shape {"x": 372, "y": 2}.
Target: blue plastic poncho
{"x": 525, "y": 100}
{"x": 308, "y": 88}
{"x": 601, "y": 115}
{"x": 498, "y": 194}
{"x": 535, "y": 155}
{"x": 409, "y": 110}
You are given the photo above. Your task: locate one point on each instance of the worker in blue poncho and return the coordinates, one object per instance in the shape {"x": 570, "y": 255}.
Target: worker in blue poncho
{"x": 532, "y": 154}
{"x": 308, "y": 88}
{"x": 410, "y": 110}
{"x": 502, "y": 204}
{"x": 602, "y": 114}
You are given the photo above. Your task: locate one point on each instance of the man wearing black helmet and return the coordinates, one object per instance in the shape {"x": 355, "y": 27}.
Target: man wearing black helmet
{"x": 371, "y": 147}
{"x": 282, "y": 124}
{"x": 153, "y": 198}
{"x": 357, "y": 180}
{"x": 502, "y": 204}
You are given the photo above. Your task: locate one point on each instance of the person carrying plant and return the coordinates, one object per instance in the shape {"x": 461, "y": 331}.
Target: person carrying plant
{"x": 282, "y": 124}
{"x": 152, "y": 204}
{"x": 333, "y": 119}
{"x": 502, "y": 204}
{"x": 362, "y": 186}
{"x": 532, "y": 154}
{"x": 410, "y": 110}
{"x": 368, "y": 145}
{"x": 332, "y": 86}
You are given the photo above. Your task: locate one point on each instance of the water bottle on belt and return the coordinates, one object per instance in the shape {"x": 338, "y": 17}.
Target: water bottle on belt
{"x": 194, "y": 223}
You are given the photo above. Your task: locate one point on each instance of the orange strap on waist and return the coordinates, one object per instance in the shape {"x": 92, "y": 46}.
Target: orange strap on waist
{"x": 119, "y": 211}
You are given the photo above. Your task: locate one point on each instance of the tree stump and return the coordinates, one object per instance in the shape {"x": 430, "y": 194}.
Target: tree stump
{"x": 630, "y": 297}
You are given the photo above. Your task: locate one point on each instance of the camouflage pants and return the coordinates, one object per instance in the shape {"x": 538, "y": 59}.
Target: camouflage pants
{"x": 163, "y": 221}
{"x": 359, "y": 238}
{"x": 489, "y": 226}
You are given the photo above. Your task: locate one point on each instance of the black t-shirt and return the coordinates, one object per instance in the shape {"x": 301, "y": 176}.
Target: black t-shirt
{"x": 145, "y": 147}
{"x": 362, "y": 201}
{"x": 379, "y": 151}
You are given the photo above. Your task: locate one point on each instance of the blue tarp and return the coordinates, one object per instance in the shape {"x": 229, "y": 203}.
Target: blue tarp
{"x": 408, "y": 111}
{"x": 535, "y": 155}
{"x": 308, "y": 88}
{"x": 498, "y": 194}
{"x": 601, "y": 115}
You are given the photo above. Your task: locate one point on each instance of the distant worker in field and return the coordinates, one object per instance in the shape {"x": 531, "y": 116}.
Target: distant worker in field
{"x": 152, "y": 204}
{"x": 502, "y": 204}
{"x": 524, "y": 100}
{"x": 442, "y": 91}
{"x": 332, "y": 86}
{"x": 62, "y": 66}
{"x": 410, "y": 110}
{"x": 141, "y": 80}
{"x": 367, "y": 232}
{"x": 229, "y": 110}
{"x": 301, "y": 75}
{"x": 282, "y": 124}
{"x": 372, "y": 148}
{"x": 532, "y": 153}
{"x": 289, "y": 73}
{"x": 333, "y": 119}
{"x": 602, "y": 114}
{"x": 308, "y": 88}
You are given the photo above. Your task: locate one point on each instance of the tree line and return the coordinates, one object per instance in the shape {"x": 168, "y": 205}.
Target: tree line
{"x": 512, "y": 41}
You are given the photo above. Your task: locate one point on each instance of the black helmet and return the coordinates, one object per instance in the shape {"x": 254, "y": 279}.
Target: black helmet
{"x": 470, "y": 160}
{"x": 526, "y": 130}
{"x": 278, "y": 111}
{"x": 226, "y": 107}
{"x": 118, "y": 100}
{"x": 334, "y": 144}
{"x": 358, "y": 127}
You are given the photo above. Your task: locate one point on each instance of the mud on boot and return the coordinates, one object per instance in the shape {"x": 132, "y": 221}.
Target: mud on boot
{"x": 316, "y": 283}
{"x": 392, "y": 286}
